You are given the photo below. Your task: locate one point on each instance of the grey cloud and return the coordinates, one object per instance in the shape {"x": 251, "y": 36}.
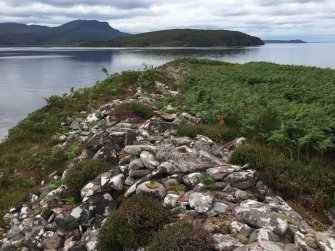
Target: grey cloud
{"x": 264, "y": 18}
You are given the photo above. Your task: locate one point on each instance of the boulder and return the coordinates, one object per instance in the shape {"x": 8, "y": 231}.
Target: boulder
{"x": 267, "y": 246}
{"x": 171, "y": 200}
{"x": 259, "y": 215}
{"x": 149, "y": 160}
{"x": 241, "y": 179}
{"x": 192, "y": 179}
{"x": 217, "y": 209}
{"x": 220, "y": 172}
{"x": 225, "y": 242}
{"x": 152, "y": 188}
{"x": 200, "y": 202}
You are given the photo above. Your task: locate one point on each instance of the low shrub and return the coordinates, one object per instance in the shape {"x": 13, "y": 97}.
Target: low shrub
{"x": 133, "y": 224}
{"x": 218, "y": 133}
{"x": 133, "y": 110}
{"x": 207, "y": 180}
{"x": 83, "y": 172}
{"x": 181, "y": 236}
{"x": 312, "y": 184}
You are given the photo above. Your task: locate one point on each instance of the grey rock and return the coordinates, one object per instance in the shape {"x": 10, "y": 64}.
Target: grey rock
{"x": 152, "y": 188}
{"x": 139, "y": 173}
{"x": 263, "y": 234}
{"x": 239, "y": 228}
{"x": 259, "y": 215}
{"x": 325, "y": 240}
{"x": 171, "y": 200}
{"x": 267, "y": 246}
{"x": 225, "y": 242}
{"x": 149, "y": 160}
{"x": 192, "y": 179}
{"x": 136, "y": 164}
{"x": 101, "y": 204}
{"x": 136, "y": 150}
{"x": 220, "y": 172}
{"x": 129, "y": 181}
{"x": 14, "y": 231}
{"x": 212, "y": 228}
{"x": 53, "y": 242}
{"x": 217, "y": 209}
{"x": 70, "y": 220}
{"x": 200, "y": 202}
{"x": 241, "y": 179}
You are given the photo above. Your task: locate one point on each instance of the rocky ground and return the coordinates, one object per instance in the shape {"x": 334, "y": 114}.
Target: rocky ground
{"x": 236, "y": 207}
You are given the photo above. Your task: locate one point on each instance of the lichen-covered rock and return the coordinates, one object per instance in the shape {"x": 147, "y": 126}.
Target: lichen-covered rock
{"x": 192, "y": 179}
{"x": 200, "y": 202}
{"x": 241, "y": 179}
{"x": 220, "y": 172}
{"x": 326, "y": 241}
{"x": 267, "y": 246}
{"x": 225, "y": 242}
{"x": 149, "y": 160}
{"x": 240, "y": 228}
{"x": 263, "y": 234}
{"x": 259, "y": 215}
{"x": 217, "y": 209}
{"x": 152, "y": 188}
{"x": 171, "y": 200}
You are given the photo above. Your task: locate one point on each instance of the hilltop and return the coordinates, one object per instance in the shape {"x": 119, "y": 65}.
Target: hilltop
{"x": 72, "y": 33}
{"x": 182, "y": 38}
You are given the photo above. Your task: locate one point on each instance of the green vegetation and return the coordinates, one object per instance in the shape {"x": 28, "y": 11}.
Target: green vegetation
{"x": 220, "y": 134}
{"x": 182, "y": 236}
{"x": 133, "y": 224}
{"x": 29, "y": 150}
{"x": 292, "y": 107}
{"x": 309, "y": 183}
{"x": 182, "y": 38}
{"x": 83, "y": 172}
{"x": 207, "y": 180}
{"x": 133, "y": 110}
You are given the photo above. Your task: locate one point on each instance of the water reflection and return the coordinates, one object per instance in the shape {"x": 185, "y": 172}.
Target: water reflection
{"x": 30, "y": 74}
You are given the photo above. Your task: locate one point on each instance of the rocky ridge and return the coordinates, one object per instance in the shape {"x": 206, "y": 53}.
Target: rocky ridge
{"x": 239, "y": 211}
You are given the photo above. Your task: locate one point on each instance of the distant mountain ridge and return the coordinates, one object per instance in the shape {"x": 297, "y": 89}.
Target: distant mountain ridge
{"x": 72, "y": 33}
{"x": 182, "y": 38}
{"x": 294, "y": 41}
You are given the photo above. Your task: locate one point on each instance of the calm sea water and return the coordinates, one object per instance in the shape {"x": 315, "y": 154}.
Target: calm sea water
{"x": 30, "y": 74}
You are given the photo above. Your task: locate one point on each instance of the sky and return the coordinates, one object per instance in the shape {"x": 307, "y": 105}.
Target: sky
{"x": 310, "y": 20}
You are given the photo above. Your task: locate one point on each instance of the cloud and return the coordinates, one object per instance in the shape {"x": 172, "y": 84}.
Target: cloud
{"x": 264, "y": 18}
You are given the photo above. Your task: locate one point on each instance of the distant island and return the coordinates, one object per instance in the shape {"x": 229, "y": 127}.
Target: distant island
{"x": 294, "y": 41}
{"x": 69, "y": 34}
{"x": 181, "y": 38}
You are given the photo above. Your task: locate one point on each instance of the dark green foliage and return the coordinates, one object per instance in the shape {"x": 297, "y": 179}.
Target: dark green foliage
{"x": 133, "y": 110}
{"x": 147, "y": 79}
{"x": 207, "y": 180}
{"x": 288, "y": 106}
{"x": 182, "y": 38}
{"x": 182, "y": 236}
{"x": 221, "y": 134}
{"x": 306, "y": 182}
{"x": 133, "y": 224}
{"x": 83, "y": 172}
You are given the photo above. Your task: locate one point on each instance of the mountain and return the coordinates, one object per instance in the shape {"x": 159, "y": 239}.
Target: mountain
{"x": 182, "y": 38}
{"x": 72, "y": 33}
{"x": 295, "y": 41}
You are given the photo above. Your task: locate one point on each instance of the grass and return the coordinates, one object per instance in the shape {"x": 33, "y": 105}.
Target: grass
{"x": 29, "y": 149}
{"x": 306, "y": 183}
